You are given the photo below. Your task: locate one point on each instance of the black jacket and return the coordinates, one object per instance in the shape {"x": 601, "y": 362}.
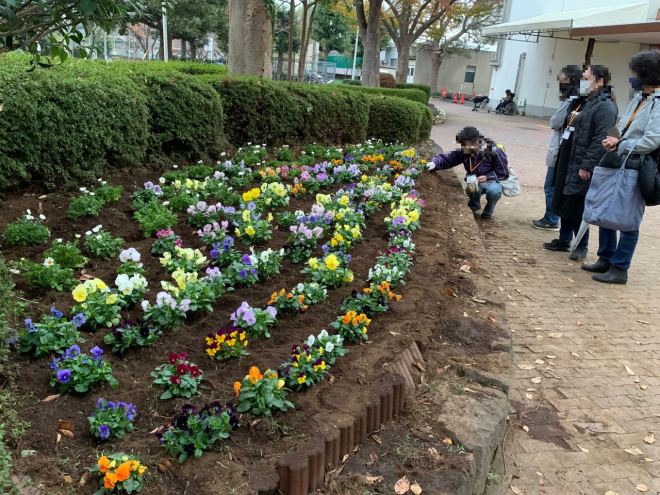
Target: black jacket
{"x": 597, "y": 115}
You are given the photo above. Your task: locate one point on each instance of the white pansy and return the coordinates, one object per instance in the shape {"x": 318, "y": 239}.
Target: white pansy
{"x": 162, "y": 180}
{"x": 310, "y": 340}
{"x": 15, "y": 271}
{"x": 329, "y": 347}
{"x": 97, "y": 228}
{"x": 99, "y": 237}
{"x": 77, "y": 236}
{"x": 175, "y": 166}
{"x": 82, "y": 189}
{"x": 49, "y": 262}
{"x": 42, "y": 217}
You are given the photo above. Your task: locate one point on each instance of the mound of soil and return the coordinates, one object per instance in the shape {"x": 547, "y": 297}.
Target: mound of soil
{"x": 426, "y": 315}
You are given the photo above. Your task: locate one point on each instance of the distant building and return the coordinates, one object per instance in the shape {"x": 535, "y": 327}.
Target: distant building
{"x": 390, "y": 57}
{"x": 538, "y": 38}
{"x": 466, "y": 74}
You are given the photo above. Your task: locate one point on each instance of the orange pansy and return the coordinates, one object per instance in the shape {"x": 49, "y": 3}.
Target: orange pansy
{"x": 110, "y": 480}
{"x": 237, "y": 387}
{"x": 103, "y": 463}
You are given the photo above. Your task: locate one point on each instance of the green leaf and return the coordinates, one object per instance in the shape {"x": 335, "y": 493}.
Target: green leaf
{"x": 167, "y": 395}
{"x": 81, "y": 387}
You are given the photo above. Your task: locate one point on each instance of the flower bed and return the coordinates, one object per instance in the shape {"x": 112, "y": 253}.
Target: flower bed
{"x": 194, "y": 297}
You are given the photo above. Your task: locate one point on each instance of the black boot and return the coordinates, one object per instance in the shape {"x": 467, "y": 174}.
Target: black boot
{"x": 600, "y": 266}
{"x": 558, "y": 245}
{"x": 612, "y": 276}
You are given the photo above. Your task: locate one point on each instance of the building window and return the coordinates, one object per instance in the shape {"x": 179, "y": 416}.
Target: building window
{"x": 470, "y": 72}
{"x": 393, "y": 62}
{"x": 411, "y": 71}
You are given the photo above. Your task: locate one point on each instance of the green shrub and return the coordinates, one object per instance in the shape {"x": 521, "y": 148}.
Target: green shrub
{"x": 422, "y": 87}
{"x": 258, "y": 111}
{"x": 396, "y": 119}
{"x": 332, "y": 116}
{"x": 63, "y": 125}
{"x": 409, "y": 94}
{"x": 352, "y": 82}
{"x": 186, "y": 114}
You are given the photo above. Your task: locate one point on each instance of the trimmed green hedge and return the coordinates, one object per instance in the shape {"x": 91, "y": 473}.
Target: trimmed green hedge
{"x": 65, "y": 124}
{"x": 421, "y": 87}
{"x": 58, "y": 125}
{"x": 408, "y": 94}
{"x": 396, "y": 119}
{"x": 352, "y": 82}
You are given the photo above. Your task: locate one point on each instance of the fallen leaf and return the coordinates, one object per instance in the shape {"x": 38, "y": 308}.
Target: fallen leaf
{"x": 447, "y": 441}
{"x": 526, "y": 366}
{"x": 531, "y": 390}
{"x": 166, "y": 463}
{"x": 395, "y": 333}
{"x": 579, "y": 323}
{"x": 68, "y": 480}
{"x": 416, "y": 489}
{"x": 529, "y": 396}
{"x": 633, "y": 451}
{"x": 539, "y": 361}
{"x": 582, "y": 449}
{"x": 450, "y": 292}
{"x": 43, "y": 196}
{"x": 420, "y": 367}
{"x": 516, "y": 490}
{"x": 465, "y": 315}
{"x": 648, "y": 459}
{"x": 541, "y": 277}
{"x": 66, "y": 433}
{"x": 649, "y": 439}
{"x": 643, "y": 322}
{"x": 66, "y": 425}
{"x": 1, "y": 107}
{"x": 371, "y": 479}
{"x": 346, "y": 456}
{"x": 643, "y": 387}
{"x": 59, "y": 438}
{"x": 51, "y": 397}
{"x": 575, "y": 354}
{"x": 642, "y": 488}
{"x": 571, "y": 280}
{"x": 402, "y": 486}
{"x": 555, "y": 335}
{"x": 551, "y": 357}
{"x": 636, "y": 379}
{"x": 526, "y": 428}
{"x": 434, "y": 454}
{"x": 537, "y": 379}
{"x": 539, "y": 337}
{"x": 85, "y": 478}
{"x": 465, "y": 268}
{"x": 480, "y": 301}
{"x": 630, "y": 372}
{"x": 207, "y": 385}
{"x": 492, "y": 318}
{"x": 377, "y": 439}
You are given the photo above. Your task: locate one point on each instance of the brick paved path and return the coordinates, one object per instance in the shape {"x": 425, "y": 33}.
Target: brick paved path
{"x": 584, "y": 407}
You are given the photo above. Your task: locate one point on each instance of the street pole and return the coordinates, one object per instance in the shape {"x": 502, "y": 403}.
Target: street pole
{"x": 105, "y": 46}
{"x": 357, "y": 35}
{"x": 165, "y": 39}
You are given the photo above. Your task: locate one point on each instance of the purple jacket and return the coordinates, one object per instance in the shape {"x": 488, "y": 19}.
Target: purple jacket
{"x": 493, "y": 164}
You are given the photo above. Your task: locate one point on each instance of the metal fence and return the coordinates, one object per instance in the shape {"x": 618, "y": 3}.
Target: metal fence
{"x": 317, "y": 72}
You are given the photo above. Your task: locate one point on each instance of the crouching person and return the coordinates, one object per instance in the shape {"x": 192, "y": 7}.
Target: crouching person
{"x": 485, "y": 163}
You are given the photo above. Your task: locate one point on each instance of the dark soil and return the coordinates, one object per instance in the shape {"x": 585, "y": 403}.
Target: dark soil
{"x": 426, "y": 314}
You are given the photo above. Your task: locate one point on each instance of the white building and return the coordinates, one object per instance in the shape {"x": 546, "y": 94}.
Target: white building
{"x": 389, "y": 58}
{"x": 539, "y": 37}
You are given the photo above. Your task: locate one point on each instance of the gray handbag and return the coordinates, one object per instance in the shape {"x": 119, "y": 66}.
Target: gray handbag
{"x": 614, "y": 200}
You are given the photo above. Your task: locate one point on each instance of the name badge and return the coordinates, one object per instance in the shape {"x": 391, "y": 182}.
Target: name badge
{"x": 567, "y": 132}
{"x": 471, "y": 179}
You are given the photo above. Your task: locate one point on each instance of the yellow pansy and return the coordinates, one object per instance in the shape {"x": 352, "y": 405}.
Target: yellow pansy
{"x": 249, "y": 230}
{"x": 246, "y": 215}
{"x": 100, "y": 284}
{"x": 331, "y": 262}
{"x": 111, "y": 299}
{"x": 80, "y": 293}
{"x": 313, "y": 263}
{"x": 348, "y": 277}
{"x": 280, "y": 384}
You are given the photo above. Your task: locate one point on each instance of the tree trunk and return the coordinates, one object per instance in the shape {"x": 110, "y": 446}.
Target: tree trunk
{"x": 161, "y": 45}
{"x": 184, "y": 50}
{"x": 402, "y": 63}
{"x": 303, "y": 45}
{"x": 326, "y": 54}
{"x": 250, "y": 39}
{"x": 280, "y": 63}
{"x": 435, "y": 70}
{"x": 370, "y": 31}
{"x": 292, "y": 10}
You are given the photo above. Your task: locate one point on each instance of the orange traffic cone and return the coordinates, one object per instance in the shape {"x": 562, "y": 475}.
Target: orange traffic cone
{"x": 462, "y": 99}
{"x": 455, "y": 97}
{"x": 474, "y": 95}
{"x": 444, "y": 92}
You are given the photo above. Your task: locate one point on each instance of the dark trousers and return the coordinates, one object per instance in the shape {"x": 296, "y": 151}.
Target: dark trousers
{"x": 619, "y": 253}
{"x": 569, "y": 229}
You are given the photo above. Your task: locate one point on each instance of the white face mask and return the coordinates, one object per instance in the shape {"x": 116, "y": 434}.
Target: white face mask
{"x": 585, "y": 87}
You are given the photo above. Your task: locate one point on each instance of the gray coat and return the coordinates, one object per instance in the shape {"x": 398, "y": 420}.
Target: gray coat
{"x": 645, "y": 127}
{"x": 557, "y": 122}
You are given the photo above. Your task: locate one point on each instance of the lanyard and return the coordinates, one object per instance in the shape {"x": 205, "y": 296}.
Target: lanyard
{"x": 639, "y": 107}
{"x": 477, "y": 166}
{"x": 575, "y": 113}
